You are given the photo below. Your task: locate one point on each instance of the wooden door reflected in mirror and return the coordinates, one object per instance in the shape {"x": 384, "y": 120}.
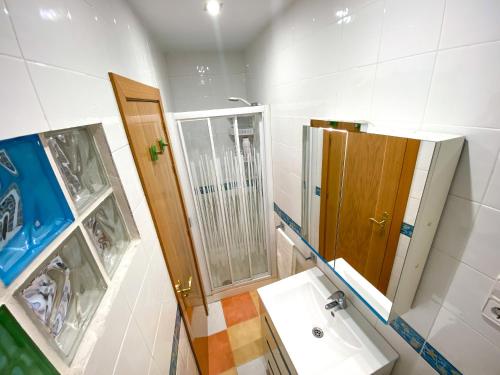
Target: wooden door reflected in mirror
{"x": 365, "y": 185}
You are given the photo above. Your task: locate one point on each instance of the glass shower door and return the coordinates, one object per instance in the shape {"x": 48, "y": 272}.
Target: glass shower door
{"x": 225, "y": 169}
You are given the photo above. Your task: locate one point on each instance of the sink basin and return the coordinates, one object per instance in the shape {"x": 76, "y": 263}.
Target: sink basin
{"x": 349, "y": 344}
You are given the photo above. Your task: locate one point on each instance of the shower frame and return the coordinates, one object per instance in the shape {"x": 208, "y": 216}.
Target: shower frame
{"x": 189, "y": 188}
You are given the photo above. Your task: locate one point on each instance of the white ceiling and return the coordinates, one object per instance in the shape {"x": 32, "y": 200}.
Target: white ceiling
{"x": 184, "y": 24}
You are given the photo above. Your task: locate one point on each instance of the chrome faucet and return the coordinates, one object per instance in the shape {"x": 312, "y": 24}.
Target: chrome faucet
{"x": 338, "y": 301}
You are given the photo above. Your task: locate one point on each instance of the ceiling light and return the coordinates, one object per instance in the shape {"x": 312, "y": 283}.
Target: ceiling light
{"x": 213, "y": 7}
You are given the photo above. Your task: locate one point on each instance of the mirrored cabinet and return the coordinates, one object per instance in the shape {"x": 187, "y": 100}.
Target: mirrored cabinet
{"x": 371, "y": 203}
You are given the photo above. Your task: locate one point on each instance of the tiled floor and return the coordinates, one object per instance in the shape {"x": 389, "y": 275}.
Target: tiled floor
{"x": 235, "y": 343}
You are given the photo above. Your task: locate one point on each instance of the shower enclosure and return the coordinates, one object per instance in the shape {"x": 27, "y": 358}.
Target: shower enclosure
{"x": 227, "y": 157}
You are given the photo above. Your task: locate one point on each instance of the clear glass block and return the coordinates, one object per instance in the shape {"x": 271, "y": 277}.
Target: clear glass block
{"x": 62, "y": 296}
{"x": 107, "y": 230}
{"x": 78, "y": 161}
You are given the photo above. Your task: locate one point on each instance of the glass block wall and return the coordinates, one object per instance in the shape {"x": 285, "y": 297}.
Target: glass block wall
{"x": 73, "y": 249}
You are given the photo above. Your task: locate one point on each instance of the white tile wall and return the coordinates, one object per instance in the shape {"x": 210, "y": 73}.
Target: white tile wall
{"x": 55, "y": 56}
{"x": 410, "y": 28}
{"x": 8, "y": 43}
{"x": 430, "y": 65}
{"x": 204, "y": 80}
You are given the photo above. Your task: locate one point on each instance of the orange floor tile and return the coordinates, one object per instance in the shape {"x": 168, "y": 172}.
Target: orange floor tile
{"x": 220, "y": 354}
{"x": 242, "y": 341}
{"x": 238, "y": 308}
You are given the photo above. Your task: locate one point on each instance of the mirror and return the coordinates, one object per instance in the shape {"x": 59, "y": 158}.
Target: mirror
{"x": 361, "y": 194}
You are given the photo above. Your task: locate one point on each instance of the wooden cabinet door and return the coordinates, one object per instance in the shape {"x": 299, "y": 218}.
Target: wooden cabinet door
{"x": 142, "y": 114}
{"x": 376, "y": 179}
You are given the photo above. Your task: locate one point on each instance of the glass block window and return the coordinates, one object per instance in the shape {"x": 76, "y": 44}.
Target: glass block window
{"x": 63, "y": 295}
{"x": 18, "y": 353}
{"x": 76, "y": 156}
{"x": 107, "y": 230}
{"x": 33, "y": 208}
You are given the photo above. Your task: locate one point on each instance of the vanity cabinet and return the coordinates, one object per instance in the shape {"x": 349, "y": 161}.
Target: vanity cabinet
{"x": 302, "y": 337}
{"x": 277, "y": 360}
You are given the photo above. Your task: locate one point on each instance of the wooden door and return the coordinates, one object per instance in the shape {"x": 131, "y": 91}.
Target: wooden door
{"x": 376, "y": 180}
{"x": 142, "y": 114}
{"x": 334, "y": 146}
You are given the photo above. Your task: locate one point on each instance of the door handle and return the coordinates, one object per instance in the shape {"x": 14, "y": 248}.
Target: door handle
{"x": 153, "y": 149}
{"x": 184, "y": 291}
{"x": 382, "y": 222}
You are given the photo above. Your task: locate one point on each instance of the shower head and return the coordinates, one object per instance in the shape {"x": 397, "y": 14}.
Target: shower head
{"x": 235, "y": 99}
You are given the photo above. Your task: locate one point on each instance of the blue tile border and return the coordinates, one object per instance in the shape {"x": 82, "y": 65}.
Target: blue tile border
{"x": 435, "y": 359}
{"x": 411, "y": 336}
{"x": 287, "y": 219}
{"x": 175, "y": 343}
{"x": 407, "y": 229}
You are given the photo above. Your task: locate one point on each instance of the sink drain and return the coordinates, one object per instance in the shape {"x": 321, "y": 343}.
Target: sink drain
{"x": 317, "y": 332}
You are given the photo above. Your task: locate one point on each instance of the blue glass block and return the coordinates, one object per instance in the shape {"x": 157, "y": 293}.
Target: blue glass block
{"x": 33, "y": 209}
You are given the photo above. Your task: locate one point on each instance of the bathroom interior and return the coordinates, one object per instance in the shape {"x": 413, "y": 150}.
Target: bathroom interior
{"x": 234, "y": 187}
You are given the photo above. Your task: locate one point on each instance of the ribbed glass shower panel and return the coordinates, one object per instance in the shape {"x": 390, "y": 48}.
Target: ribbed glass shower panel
{"x": 226, "y": 177}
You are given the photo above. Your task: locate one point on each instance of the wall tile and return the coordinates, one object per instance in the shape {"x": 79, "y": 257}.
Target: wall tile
{"x": 134, "y": 356}
{"x": 135, "y": 275}
{"x": 147, "y": 309}
{"x": 73, "y": 99}
{"x": 418, "y": 183}
{"x": 425, "y": 153}
{"x": 186, "y": 364}
{"x": 129, "y": 176}
{"x": 8, "y": 42}
{"x": 401, "y": 88}
{"x": 492, "y": 197}
{"x": 107, "y": 348}
{"x": 409, "y": 362}
{"x": 423, "y": 313}
{"x": 476, "y": 288}
{"x": 164, "y": 337}
{"x": 355, "y": 93}
{"x": 476, "y": 162}
{"x": 410, "y": 27}
{"x": 481, "y": 251}
{"x": 455, "y": 226}
{"x": 21, "y": 112}
{"x": 466, "y": 87}
{"x": 154, "y": 368}
{"x": 115, "y": 133}
{"x": 438, "y": 275}
{"x": 467, "y": 22}
{"x": 361, "y": 32}
{"x": 312, "y": 16}
{"x": 204, "y": 80}
{"x": 49, "y": 31}
{"x": 470, "y": 352}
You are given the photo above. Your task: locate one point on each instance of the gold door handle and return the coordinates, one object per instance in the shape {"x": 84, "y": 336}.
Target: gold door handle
{"x": 382, "y": 222}
{"x": 184, "y": 291}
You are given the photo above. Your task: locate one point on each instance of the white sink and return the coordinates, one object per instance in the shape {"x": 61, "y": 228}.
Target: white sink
{"x": 350, "y": 345}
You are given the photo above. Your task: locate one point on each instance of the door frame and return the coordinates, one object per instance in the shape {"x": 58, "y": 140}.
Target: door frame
{"x": 180, "y": 154}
